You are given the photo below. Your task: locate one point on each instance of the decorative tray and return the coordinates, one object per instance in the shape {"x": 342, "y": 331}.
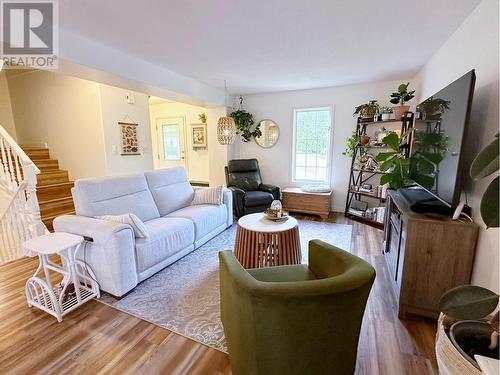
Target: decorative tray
{"x": 273, "y": 215}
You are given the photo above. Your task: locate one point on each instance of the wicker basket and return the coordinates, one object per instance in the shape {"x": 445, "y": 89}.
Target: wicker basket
{"x": 449, "y": 359}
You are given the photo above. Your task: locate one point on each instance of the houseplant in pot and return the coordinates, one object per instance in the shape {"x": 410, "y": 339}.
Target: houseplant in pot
{"x": 394, "y": 162}
{"x": 355, "y": 141}
{"x": 471, "y": 330}
{"x": 433, "y": 108}
{"x": 386, "y": 113}
{"x": 244, "y": 125}
{"x": 467, "y": 308}
{"x": 367, "y": 111}
{"x": 401, "y": 97}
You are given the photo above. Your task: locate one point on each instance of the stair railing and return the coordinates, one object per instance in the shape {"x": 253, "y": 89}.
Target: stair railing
{"x": 20, "y": 216}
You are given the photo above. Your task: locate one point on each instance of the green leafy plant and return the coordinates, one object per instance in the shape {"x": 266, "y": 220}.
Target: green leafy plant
{"x": 354, "y": 142}
{"x": 468, "y": 302}
{"x": 433, "y": 106}
{"x": 367, "y": 110}
{"x": 385, "y": 110}
{"x": 402, "y": 95}
{"x": 203, "y": 117}
{"x": 244, "y": 122}
{"x": 430, "y": 150}
{"x": 485, "y": 164}
{"x": 394, "y": 162}
{"x": 471, "y": 302}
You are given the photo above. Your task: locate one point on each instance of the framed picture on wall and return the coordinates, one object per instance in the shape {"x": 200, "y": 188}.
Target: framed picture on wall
{"x": 128, "y": 138}
{"x": 199, "y": 135}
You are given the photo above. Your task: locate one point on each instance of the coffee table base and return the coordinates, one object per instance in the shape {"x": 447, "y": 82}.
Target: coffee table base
{"x": 265, "y": 249}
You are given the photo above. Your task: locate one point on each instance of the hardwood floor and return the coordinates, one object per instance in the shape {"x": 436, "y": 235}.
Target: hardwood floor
{"x": 99, "y": 339}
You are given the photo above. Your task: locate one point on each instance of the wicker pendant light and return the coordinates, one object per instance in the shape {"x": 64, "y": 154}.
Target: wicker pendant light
{"x": 226, "y": 128}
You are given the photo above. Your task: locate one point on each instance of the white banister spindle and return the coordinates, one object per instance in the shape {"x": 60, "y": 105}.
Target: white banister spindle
{"x": 20, "y": 218}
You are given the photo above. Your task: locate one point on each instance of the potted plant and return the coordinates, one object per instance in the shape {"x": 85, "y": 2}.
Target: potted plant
{"x": 394, "y": 162}
{"x": 244, "y": 122}
{"x": 485, "y": 164}
{"x": 368, "y": 110}
{"x": 203, "y": 117}
{"x": 356, "y": 141}
{"x": 432, "y": 108}
{"x": 468, "y": 323}
{"x": 401, "y": 97}
{"x": 385, "y": 113}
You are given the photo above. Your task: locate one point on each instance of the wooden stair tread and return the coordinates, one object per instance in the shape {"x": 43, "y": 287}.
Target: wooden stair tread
{"x": 56, "y": 185}
{"x": 55, "y": 200}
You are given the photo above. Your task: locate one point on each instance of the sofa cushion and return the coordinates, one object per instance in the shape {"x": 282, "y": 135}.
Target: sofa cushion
{"x": 114, "y": 195}
{"x": 170, "y": 188}
{"x": 206, "y": 217}
{"x": 258, "y": 198}
{"x": 167, "y": 236}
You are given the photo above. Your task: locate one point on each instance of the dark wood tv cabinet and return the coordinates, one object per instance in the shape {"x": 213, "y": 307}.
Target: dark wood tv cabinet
{"x": 426, "y": 255}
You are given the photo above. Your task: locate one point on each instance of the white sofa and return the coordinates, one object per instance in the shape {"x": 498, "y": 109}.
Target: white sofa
{"x": 161, "y": 199}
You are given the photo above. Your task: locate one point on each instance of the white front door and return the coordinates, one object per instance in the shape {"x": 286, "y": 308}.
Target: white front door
{"x": 171, "y": 142}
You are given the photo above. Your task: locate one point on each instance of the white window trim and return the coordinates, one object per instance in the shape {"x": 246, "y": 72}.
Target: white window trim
{"x": 328, "y": 180}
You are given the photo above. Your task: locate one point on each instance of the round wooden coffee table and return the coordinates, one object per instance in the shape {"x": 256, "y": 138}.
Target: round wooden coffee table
{"x": 261, "y": 242}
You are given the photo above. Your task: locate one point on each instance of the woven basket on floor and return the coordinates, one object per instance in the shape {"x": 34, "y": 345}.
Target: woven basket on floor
{"x": 449, "y": 359}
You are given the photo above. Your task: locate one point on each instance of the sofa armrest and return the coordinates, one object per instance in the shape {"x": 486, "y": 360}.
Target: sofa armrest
{"x": 111, "y": 254}
{"x": 227, "y": 199}
{"x": 238, "y": 200}
{"x": 274, "y": 190}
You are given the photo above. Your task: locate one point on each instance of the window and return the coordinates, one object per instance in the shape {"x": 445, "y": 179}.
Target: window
{"x": 171, "y": 142}
{"x": 311, "y": 148}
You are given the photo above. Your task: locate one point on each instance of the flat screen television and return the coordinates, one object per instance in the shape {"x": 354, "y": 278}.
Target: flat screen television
{"x": 438, "y": 139}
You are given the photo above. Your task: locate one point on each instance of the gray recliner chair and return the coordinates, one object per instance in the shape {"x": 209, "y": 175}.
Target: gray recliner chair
{"x": 250, "y": 195}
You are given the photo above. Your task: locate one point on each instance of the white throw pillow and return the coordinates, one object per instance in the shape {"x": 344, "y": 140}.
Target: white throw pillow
{"x": 208, "y": 196}
{"x": 137, "y": 225}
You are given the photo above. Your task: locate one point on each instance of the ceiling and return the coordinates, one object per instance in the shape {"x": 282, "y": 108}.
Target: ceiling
{"x": 273, "y": 45}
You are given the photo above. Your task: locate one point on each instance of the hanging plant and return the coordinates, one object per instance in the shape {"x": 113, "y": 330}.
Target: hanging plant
{"x": 244, "y": 122}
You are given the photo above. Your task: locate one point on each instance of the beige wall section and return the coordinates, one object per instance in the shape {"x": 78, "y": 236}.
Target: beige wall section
{"x": 6, "y": 117}
{"x": 217, "y": 154}
{"x": 474, "y": 46}
{"x": 63, "y": 112}
{"x": 115, "y": 108}
{"x": 198, "y": 167}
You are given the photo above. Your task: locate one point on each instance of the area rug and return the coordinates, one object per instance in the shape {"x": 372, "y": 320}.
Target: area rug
{"x": 184, "y": 297}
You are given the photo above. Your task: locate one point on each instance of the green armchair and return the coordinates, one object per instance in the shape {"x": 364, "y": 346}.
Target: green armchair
{"x": 296, "y": 319}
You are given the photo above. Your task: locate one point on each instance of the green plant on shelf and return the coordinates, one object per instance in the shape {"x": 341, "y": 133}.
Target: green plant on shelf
{"x": 367, "y": 110}
{"x": 402, "y": 95}
{"x": 353, "y": 143}
{"x": 394, "y": 163}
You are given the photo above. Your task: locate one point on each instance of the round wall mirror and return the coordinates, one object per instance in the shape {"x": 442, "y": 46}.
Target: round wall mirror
{"x": 270, "y": 133}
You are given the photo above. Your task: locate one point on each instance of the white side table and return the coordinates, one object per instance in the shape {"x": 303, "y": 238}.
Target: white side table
{"x": 41, "y": 293}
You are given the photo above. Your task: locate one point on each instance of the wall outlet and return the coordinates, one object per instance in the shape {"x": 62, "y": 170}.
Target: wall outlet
{"x": 114, "y": 150}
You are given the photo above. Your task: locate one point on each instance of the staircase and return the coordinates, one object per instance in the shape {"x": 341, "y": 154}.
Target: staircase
{"x": 19, "y": 210}
{"x": 53, "y": 186}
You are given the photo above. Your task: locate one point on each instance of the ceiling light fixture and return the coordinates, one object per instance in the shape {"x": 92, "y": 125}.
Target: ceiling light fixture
{"x": 226, "y": 128}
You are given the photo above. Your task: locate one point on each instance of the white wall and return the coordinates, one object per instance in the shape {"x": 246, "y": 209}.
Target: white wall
{"x": 474, "y": 45}
{"x": 197, "y": 159}
{"x": 275, "y": 162}
{"x": 63, "y": 112}
{"x": 89, "y": 59}
{"x": 218, "y": 154}
{"x": 6, "y": 116}
{"x": 114, "y": 109}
